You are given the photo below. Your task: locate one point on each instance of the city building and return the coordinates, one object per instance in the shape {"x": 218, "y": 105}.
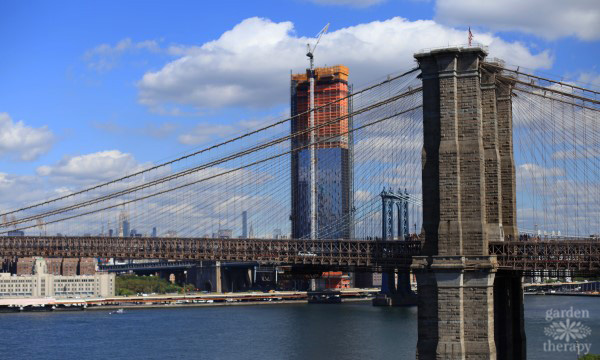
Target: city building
{"x": 43, "y": 284}
{"x": 244, "y": 224}
{"x": 154, "y": 232}
{"x": 25, "y": 266}
{"x": 126, "y": 229}
{"x": 16, "y": 233}
{"x": 333, "y": 154}
{"x": 58, "y": 266}
{"x": 223, "y": 234}
{"x": 333, "y": 280}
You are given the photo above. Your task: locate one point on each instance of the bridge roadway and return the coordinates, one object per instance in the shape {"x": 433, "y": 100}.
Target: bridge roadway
{"x": 577, "y": 256}
{"x": 162, "y": 264}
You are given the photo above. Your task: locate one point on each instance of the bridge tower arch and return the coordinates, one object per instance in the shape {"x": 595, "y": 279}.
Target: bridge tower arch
{"x": 468, "y": 200}
{"x": 394, "y": 209}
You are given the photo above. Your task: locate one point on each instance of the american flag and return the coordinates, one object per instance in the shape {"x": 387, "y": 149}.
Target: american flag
{"x": 470, "y": 36}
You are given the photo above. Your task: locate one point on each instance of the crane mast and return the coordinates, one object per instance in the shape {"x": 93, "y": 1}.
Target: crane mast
{"x": 312, "y": 149}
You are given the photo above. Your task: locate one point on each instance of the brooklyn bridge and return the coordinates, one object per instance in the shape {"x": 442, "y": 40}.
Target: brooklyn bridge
{"x": 497, "y": 170}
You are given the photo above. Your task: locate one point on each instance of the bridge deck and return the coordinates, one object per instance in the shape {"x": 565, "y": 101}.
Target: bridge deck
{"x": 581, "y": 256}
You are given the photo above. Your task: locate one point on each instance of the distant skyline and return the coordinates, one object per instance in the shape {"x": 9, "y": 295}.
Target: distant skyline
{"x": 92, "y": 90}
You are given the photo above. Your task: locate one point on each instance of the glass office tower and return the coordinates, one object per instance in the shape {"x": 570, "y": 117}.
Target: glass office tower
{"x": 333, "y": 155}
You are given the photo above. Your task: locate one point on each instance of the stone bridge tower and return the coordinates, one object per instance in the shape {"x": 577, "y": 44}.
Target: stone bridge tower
{"x": 468, "y": 200}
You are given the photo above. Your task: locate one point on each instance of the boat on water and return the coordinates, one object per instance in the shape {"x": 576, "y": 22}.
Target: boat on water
{"x": 118, "y": 311}
{"x": 324, "y": 297}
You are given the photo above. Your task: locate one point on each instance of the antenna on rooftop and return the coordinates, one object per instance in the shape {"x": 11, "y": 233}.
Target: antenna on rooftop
{"x": 313, "y": 160}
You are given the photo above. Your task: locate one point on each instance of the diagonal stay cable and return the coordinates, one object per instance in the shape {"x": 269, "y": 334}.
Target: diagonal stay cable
{"x": 207, "y": 165}
{"x": 210, "y": 147}
{"x": 556, "y": 99}
{"x": 543, "y": 79}
{"x": 582, "y": 98}
{"x": 225, "y": 172}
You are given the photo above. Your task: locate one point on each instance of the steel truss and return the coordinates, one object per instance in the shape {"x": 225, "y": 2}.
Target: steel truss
{"x": 575, "y": 256}
{"x": 375, "y": 255}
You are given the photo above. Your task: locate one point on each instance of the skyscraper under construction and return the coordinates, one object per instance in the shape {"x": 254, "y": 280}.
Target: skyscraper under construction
{"x": 333, "y": 154}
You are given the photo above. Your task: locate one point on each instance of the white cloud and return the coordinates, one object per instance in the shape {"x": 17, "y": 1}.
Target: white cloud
{"x": 352, "y": 3}
{"x": 203, "y": 133}
{"x": 363, "y": 196}
{"x": 104, "y": 57}
{"x": 534, "y": 171}
{"x": 589, "y": 80}
{"x": 23, "y": 142}
{"x": 550, "y": 19}
{"x": 249, "y": 65}
{"x": 97, "y": 166}
{"x": 206, "y": 132}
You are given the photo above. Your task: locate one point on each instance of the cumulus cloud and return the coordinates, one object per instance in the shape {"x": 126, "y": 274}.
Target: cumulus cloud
{"x": 534, "y": 171}
{"x": 249, "y": 65}
{"x": 17, "y": 190}
{"x": 22, "y": 142}
{"x": 352, "y": 3}
{"x": 206, "y": 132}
{"x": 105, "y": 57}
{"x": 97, "y": 166}
{"x": 549, "y": 19}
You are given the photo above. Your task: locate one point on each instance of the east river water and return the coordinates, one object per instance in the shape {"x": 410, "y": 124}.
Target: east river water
{"x": 290, "y": 331}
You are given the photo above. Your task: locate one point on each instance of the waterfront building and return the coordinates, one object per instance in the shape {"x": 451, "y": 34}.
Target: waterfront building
{"x": 333, "y": 154}
{"x": 333, "y": 280}
{"x": 58, "y": 266}
{"x": 44, "y": 284}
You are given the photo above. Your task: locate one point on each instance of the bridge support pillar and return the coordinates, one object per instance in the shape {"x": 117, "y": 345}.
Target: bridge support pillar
{"x": 395, "y": 290}
{"x": 465, "y": 119}
{"x": 508, "y": 316}
{"x": 218, "y": 278}
{"x": 456, "y": 304}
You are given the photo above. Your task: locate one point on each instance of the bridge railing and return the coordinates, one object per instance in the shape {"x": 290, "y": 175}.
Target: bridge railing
{"x": 576, "y": 255}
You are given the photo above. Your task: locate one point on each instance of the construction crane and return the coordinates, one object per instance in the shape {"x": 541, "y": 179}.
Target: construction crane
{"x": 313, "y": 160}
{"x": 310, "y": 51}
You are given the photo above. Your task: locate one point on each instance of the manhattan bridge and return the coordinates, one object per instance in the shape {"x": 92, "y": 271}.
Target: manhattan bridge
{"x": 497, "y": 169}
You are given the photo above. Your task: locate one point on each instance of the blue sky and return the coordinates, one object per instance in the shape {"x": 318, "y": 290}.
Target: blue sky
{"x": 90, "y": 90}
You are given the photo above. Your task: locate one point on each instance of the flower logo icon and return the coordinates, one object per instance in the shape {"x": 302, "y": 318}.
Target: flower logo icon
{"x": 567, "y": 330}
